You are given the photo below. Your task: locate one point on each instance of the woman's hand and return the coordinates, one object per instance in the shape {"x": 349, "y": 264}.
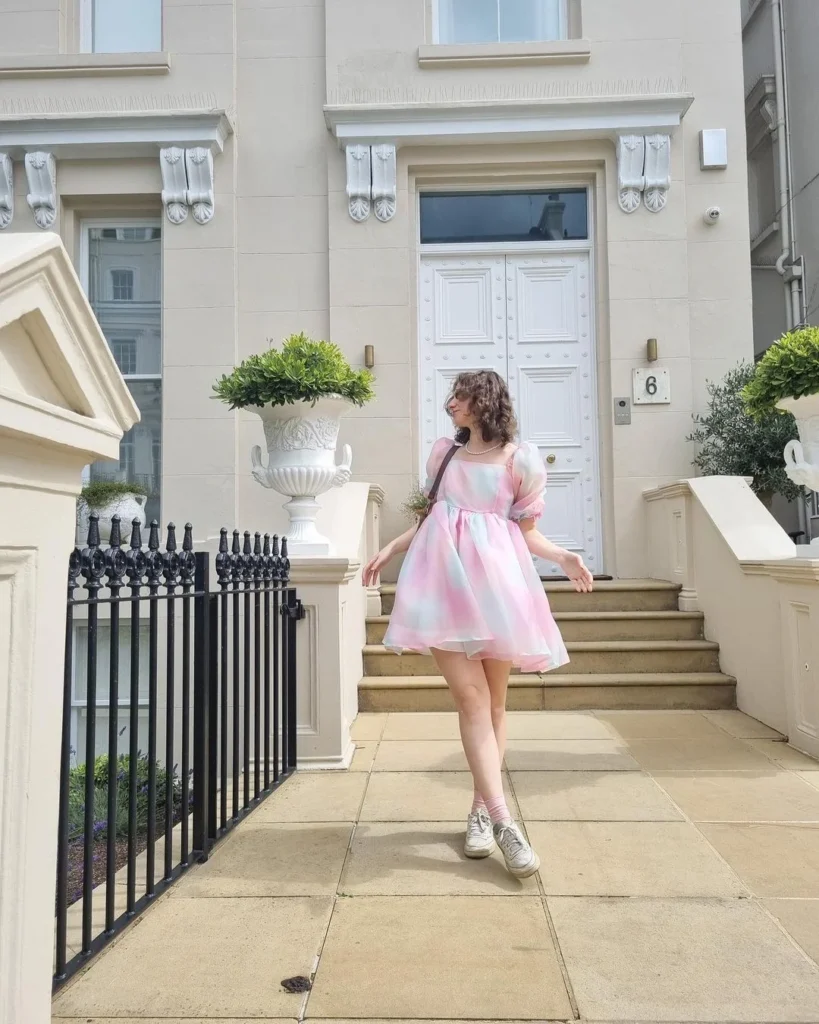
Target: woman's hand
{"x": 373, "y": 568}
{"x": 574, "y": 567}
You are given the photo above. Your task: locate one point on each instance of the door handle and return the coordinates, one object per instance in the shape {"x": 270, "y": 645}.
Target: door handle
{"x": 551, "y": 459}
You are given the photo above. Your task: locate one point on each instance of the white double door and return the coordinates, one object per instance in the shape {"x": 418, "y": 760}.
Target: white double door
{"x": 529, "y": 317}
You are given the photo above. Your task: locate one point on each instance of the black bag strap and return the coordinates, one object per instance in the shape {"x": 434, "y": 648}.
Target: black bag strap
{"x": 433, "y": 494}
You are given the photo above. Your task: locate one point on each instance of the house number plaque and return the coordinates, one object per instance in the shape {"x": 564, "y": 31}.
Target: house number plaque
{"x": 652, "y": 387}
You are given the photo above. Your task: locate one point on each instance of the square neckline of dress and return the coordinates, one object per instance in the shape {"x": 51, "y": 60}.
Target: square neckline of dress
{"x": 473, "y": 460}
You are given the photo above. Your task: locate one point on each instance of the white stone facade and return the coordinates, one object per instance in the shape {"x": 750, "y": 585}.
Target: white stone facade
{"x": 283, "y": 150}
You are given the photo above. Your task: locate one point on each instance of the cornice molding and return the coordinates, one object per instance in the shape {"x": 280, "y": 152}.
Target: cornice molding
{"x": 83, "y": 65}
{"x": 498, "y": 120}
{"x": 85, "y": 134}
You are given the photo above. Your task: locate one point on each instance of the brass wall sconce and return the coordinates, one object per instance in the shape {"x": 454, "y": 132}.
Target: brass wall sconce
{"x": 369, "y": 356}
{"x": 651, "y": 350}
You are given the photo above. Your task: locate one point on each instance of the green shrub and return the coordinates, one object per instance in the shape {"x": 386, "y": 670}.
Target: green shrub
{"x": 789, "y": 369}
{"x": 76, "y": 796}
{"x": 733, "y": 443}
{"x": 301, "y": 371}
{"x": 100, "y": 493}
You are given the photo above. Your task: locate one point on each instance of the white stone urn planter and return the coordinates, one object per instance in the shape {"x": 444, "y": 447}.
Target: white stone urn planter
{"x": 802, "y": 456}
{"x": 127, "y": 506}
{"x": 301, "y": 447}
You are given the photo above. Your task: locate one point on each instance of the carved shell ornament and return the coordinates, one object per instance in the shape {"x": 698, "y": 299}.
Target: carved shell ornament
{"x": 296, "y": 434}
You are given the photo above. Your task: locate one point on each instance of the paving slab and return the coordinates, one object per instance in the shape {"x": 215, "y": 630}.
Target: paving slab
{"x": 568, "y": 755}
{"x": 669, "y": 960}
{"x": 364, "y": 756}
{"x": 422, "y": 859}
{"x": 800, "y": 918}
{"x": 457, "y": 957}
{"x": 772, "y": 860}
{"x": 698, "y": 753}
{"x": 591, "y": 796}
{"x": 204, "y": 958}
{"x": 629, "y": 858}
{"x": 773, "y": 795}
{"x": 264, "y": 859}
{"x": 658, "y": 724}
{"x": 784, "y": 755}
{"x": 738, "y": 724}
{"x": 420, "y": 756}
{"x": 422, "y": 796}
{"x": 315, "y": 796}
{"x": 368, "y": 727}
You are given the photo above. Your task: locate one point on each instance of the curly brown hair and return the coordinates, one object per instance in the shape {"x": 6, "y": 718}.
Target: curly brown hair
{"x": 489, "y": 403}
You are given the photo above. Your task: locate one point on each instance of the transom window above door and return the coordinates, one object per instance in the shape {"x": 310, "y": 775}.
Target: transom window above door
{"x": 500, "y": 21}
{"x": 121, "y": 26}
{"x": 542, "y": 216}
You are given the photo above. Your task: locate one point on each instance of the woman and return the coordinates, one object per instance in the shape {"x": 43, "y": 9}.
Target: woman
{"x": 468, "y": 591}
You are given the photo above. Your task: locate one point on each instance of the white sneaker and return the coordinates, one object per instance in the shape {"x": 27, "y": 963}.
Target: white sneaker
{"x": 521, "y": 859}
{"x": 479, "y": 839}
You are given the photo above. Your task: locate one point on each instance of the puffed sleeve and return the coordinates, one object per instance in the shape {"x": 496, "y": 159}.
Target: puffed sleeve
{"x": 529, "y": 475}
{"x": 436, "y": 457}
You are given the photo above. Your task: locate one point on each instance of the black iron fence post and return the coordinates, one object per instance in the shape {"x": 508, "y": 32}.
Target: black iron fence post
{"x": 201, "y": 710}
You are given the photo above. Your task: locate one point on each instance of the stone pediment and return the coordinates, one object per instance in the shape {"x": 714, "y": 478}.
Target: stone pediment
{"x": 59, "y": 384}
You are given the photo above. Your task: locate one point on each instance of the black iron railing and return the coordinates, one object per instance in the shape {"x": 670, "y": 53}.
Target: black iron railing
{"x": 204, "y": 684}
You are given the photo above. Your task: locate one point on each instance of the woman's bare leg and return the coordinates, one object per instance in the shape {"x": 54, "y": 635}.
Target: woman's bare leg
{"x": 497, "y": 676}
{"x": 470, "y": 688}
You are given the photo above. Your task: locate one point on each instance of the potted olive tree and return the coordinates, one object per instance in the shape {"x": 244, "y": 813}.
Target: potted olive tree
{"x": 730, "y": 442}
{"x": 300, "y": 392}
{"x": 106, "y": 499}
{"x": 787, "y": 379}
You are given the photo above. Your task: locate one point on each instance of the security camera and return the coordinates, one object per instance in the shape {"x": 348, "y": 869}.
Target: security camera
{"x": 712, "y": 215}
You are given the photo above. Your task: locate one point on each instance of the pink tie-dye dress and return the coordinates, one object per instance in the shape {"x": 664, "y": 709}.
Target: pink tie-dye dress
{"x": 468, "y": 582}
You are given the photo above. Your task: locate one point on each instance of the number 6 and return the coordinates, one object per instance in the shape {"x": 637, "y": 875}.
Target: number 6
{"x": 651, "y": 385}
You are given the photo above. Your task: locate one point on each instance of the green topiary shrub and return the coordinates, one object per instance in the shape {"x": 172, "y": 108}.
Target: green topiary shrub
{"x": 789, "y": 369}
{"x": 301, "y": 371}
{"x": 733, "y": 443}
{"x": 100, "y": 493}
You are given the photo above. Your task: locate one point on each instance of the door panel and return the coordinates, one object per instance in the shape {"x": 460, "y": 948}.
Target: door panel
{"x": 551, "y": 378}
{"x": 463, "y": 327}
{"x": 529, "y": 318}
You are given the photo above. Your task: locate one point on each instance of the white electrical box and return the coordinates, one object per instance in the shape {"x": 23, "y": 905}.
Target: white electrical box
{"x": 652, "y": 387}
{"x": 713, "y": 149}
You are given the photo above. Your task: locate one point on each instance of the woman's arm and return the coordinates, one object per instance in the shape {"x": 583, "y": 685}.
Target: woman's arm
{"x": 571, "y": 563}
{"x": 395, "y": 547}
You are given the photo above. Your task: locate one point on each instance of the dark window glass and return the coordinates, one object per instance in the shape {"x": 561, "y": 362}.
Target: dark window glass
{"x": 504, "y": 216}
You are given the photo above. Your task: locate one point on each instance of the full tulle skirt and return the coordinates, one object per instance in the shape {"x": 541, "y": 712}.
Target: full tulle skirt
{"x": 468, "y": 584}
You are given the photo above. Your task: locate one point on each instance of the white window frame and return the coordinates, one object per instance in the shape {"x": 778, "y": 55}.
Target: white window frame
{"x": 123, "y": 270}
{"x": 563, "y": 22}
{"x": 87, "y": 27}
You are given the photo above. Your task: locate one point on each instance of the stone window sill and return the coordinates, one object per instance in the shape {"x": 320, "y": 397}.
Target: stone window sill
{"x": 561, "y": 51}
{"x": 73, "y": 65}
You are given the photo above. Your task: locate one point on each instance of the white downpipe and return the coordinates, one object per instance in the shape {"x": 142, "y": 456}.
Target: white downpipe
{"x": 782, "y": 155}
{"x": 793, "y": 311}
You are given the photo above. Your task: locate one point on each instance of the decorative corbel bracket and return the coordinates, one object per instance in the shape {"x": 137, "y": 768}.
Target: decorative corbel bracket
{"x": 371, "y": 181}
{"x": 200, "y": 197}
{"x": 384, "y": 181}
{"x": 174, "y": 183}
{"x": 359, "y": 181}
{"x": 631, "y": 153}
{"x": 657, "y": 172}
{"x": 6, "y": 190}
{"x": 643, "y": 171}
{"x": 41, "y": 172}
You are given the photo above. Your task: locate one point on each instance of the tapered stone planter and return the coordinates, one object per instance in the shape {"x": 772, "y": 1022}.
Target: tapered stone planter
{"x": 802, "y": 456}
{"x": 301, "y": 444}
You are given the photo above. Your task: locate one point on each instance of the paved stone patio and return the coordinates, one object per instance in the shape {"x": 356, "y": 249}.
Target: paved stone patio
{"x": 679, "y": 883}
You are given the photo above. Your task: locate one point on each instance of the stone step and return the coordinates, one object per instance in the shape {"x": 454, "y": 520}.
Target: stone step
{"x": 600, "y": 626}
{"x": 608, "y": 596}
{"x": 617, "y": 656}
{"x": 569, "y": 692}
